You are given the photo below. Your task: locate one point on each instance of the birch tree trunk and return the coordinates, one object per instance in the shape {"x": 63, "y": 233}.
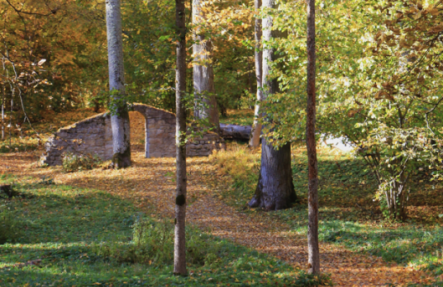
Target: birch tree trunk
{"x": 203, "y": 72}
{"x": 256, "y": 126}
{"x": 313, "y": 250}
{"x": 275, "y": 189}
{"x": 180, "y": 90}
{"x": 119, "y": 117}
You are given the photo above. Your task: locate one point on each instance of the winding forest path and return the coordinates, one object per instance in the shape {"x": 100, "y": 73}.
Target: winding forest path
{"x": 150, "y": 184}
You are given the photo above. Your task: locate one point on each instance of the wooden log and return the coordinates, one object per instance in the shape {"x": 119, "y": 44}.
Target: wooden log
{"x": 236, "y": 132}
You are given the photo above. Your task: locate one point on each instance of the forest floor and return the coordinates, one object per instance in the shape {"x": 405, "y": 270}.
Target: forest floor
{"x": 357, "y": 247}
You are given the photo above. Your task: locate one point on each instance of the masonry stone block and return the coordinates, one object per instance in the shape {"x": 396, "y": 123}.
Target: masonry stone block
{"x": 94, "y": 136}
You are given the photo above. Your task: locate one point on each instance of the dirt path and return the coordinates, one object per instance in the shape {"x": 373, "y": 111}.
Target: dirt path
{"x": 150, "y": 185}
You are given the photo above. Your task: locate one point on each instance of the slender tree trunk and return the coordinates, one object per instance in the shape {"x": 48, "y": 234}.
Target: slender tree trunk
{"x": 313, "y": 250}
{"x": 203, "y": 72}
{"x": 396, "y": 200}
{"x": 275, "y": 189}
{"x": 11, "y": 114}
{"x": 120, "y": 115}
{"x": 3, "y": 102}
{"x": 180, "y": 90}
{"x": 258, "y": 55}
{"x": 3, "y": 112}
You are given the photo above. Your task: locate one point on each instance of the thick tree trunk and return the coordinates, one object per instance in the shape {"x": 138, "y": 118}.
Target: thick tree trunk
{"x": 256, "y": 127}
{"x": 235, "y": 132}
{"x": 275, "y": 189}
{"x": 313, "y": 250}
{"x": 180, "y": 90}
{"x": 203, "y": 72}
{"x": 119, "y": 116}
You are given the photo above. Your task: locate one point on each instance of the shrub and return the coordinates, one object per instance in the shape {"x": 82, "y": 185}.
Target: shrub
{"x": 73, "y": 162}
{"x": 153, "y": 243}
{"x": 9, "y": 226}
{"x": 395, "y": 156}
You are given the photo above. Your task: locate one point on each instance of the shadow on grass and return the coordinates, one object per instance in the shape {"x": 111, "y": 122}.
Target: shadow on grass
{"x": 63, "y": 225}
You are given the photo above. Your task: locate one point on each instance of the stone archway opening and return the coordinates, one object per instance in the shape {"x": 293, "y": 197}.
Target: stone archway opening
{"x": 152, "y": 132}
{"x": 137, "y": 123}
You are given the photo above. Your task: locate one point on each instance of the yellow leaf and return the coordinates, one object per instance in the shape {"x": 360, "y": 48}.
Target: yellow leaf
{"x": 417, "y": 16}
{"x": 433, "y": 11}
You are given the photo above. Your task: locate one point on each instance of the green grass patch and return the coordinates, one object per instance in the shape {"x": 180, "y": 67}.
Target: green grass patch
{"x": 86, "y": 237}
{"x": 238, "y": 117}
{"x": 7, "y": 147}
{"x": 348, "y": 215}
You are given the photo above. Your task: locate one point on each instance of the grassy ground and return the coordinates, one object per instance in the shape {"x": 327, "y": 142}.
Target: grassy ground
{"x": 63, "y": 225}
{"x": 348, "y": 214}
{"x": 66, "y": 228}
{"x": 238, "y": 117}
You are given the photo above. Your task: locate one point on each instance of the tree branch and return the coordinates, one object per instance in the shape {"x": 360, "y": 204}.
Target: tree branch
{"x": 53, "y": 11}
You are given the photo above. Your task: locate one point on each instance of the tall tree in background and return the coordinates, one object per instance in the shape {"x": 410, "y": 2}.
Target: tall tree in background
{"x": 258, "y": 58}
{"x": 275, "y": 189}
{"x": 313, "y": 250}
{"x": 180, "y": 90}
{"x": 203, "y": 71}
{"x": 119, "y": 116}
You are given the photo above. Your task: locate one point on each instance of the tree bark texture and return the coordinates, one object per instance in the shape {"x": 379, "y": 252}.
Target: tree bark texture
{"x": 203, "y": 72}
{"x": 275, "y": 189}
{"x": 180, "y": 90}
{"x": 3, "y": 112}
{"x": 396, "y": 199}
{"x": 258, "y": 58}
{"x": 313, "y": 249}
{"x": 119, "y": 116}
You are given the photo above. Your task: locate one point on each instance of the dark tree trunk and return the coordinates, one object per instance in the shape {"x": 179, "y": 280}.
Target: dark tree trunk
{"x": 223, "y": 110}
{"x": 3, "y": 113}
{"x": 180, "y": 91}
{"x": 313, "y": 250}
{"x": 96, "y": 106}
{"x": 275, "y": 189}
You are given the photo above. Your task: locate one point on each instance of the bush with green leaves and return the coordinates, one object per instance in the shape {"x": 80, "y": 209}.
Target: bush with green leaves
{"x": 395, "y": 156}
{"x": 72, "y": 162}
{"x": 152, "y": 242}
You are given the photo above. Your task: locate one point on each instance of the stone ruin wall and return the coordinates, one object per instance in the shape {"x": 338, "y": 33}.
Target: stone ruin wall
{"x": 94, "y": 136}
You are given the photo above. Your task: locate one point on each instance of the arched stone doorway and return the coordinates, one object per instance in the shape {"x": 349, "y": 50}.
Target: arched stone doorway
{"x": 94, "y": 136}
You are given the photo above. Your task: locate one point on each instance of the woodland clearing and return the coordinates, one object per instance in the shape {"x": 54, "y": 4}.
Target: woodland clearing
{"x": 358, "y": 248}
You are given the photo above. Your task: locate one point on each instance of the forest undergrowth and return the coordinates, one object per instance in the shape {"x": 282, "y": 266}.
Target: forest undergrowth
{"x": 80, "y": 227}
{"x": 71, "y": 236}
{"x": 348, "y": 214}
